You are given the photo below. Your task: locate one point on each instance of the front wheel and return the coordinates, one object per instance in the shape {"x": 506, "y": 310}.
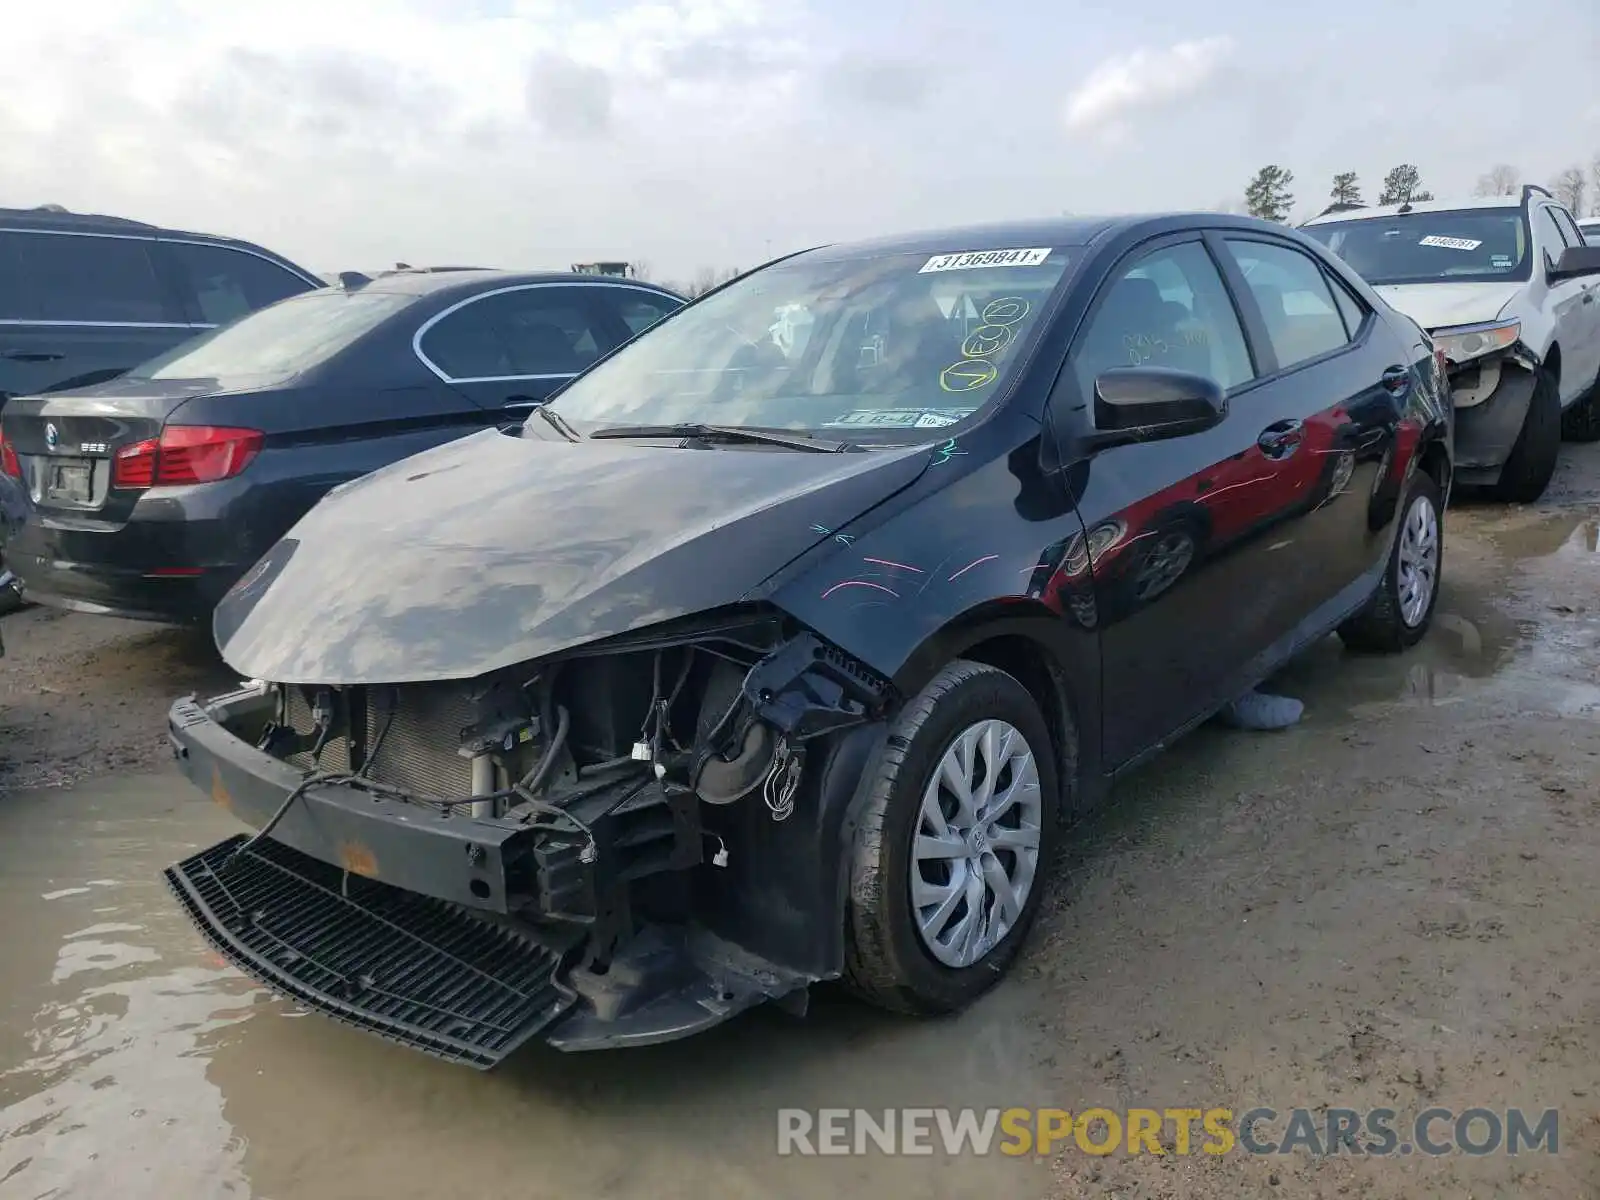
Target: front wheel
{"x": 948, "y": 864}
{"x": 1402, "y": 607}
{"x": 1532, "y": 460}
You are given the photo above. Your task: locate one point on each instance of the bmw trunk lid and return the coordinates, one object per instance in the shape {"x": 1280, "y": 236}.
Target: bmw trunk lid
{"x": 66, "y": 442}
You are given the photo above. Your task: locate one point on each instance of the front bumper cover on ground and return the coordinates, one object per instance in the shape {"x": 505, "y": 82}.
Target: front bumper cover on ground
{"x": 406, "y": 967}
{"x": 363, "y": 909}
{"x": 1487, "y": 431}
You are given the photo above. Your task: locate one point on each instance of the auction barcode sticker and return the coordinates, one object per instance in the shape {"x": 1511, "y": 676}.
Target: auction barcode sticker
{"x": 1450, "y": 243}
{"x": 968, "y": 260}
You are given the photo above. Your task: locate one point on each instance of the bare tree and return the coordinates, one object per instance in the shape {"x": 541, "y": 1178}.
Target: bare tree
{"x": 641, "y": 269}
{"x": 1502, "y": 179}
{"x": 1594, "y": 175}
{"x": 1569, "y": 187}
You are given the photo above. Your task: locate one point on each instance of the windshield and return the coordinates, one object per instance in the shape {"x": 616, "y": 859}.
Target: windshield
{"x": 1464, "y": 246}
{"x": 881, "y": 349}
{"x": 278, "y": 341}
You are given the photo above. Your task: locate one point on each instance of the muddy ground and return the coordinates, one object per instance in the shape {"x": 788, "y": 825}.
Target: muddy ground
{"x": 1394, "y": 904}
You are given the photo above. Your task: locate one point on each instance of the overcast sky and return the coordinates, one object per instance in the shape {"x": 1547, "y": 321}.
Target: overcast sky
{"x": 688, "y": 133}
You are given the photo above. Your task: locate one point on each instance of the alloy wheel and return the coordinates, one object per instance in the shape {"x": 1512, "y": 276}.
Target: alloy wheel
{"x": 975, "y": 857}
{"x": 1417, "y": 565}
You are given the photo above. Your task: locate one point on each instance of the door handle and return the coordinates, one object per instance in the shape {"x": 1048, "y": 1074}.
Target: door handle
{"x": 32, "y": 356}
{"x": 1281, "y": 438}
{"x": 1397, "y": 381}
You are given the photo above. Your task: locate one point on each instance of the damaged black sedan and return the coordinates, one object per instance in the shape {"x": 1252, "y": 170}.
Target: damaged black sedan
{"x": 782, "y": 644}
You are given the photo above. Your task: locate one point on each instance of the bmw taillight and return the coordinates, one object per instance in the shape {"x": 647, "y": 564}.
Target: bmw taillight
{"x": 186, "y": 454}
{"x": 8, "y": 458}
{"x": 134, "y": 466}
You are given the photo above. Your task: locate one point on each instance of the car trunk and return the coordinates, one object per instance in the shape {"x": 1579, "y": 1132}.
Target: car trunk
{"x": 66, "y": 443}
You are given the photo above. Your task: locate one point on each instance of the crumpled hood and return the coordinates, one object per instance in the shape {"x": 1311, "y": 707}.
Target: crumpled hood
{"x": 493, "y": 550}
{"x": 1441, "y": 305}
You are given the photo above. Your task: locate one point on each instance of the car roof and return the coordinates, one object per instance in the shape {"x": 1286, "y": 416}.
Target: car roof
{"x": 464, "y": 281}
{"x": 1069, "y": 232}
{"x": 52, "y": 218}
{"x": 1415, "y": 206}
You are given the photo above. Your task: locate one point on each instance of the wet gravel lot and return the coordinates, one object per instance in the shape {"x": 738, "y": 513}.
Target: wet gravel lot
{"x": 1393, "y": 904}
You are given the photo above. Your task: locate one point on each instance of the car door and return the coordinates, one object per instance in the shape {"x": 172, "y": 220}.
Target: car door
{"x": 1336, "y": 384}
{"x": 1174, "y": 585}
{"x": 1570, "y": 303}
{"x": 79, "y": 308}
{"x": 513, "y": 347}
{"x": 1583, "y": 356}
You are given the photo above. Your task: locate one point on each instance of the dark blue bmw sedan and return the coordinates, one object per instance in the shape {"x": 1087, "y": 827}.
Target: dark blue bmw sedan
{"x": 149, "y": 495}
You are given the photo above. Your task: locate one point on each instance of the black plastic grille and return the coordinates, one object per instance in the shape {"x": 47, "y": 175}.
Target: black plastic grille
{"x": 407, "y": 967}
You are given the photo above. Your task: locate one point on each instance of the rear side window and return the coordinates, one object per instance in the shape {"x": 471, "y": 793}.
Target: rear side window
{"x": 1303, "y": 320}
{"x": 228, "y": 283}
{"x": 638, "y": 310}
{"x": 73, "y": 277}
{"x": 1351, "y": 309}
{"x": 518, "y": 334}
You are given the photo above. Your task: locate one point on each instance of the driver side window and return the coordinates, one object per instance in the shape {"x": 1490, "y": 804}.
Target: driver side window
{"x": 1169, "y": 308}
{"x": 1548, "y": 235}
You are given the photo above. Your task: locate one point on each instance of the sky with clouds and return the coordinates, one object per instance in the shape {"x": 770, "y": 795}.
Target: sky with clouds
{"x": 691, "y": 133}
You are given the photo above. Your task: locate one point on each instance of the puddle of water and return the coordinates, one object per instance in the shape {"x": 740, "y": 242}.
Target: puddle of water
{"x": 134, "y": 1064}
{"x": 1520, "y": 628}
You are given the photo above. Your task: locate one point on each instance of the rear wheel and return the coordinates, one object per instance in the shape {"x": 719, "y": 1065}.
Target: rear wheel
{"x": 948, "y": 864}
{"x": 1532, "y": 460}
{"x": 1403, "y": 605}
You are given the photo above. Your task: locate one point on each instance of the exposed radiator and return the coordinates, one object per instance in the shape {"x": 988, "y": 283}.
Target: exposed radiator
{"x": 418, "y": 753}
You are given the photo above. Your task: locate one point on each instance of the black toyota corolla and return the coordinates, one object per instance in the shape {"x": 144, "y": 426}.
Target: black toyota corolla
{"x": 782, "y": 645}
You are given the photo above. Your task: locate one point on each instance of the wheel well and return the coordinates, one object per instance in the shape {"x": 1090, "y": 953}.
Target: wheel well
{"x": 1030, "y": 664}
{"x": 1552, "y": 361}
{"x": 1437, "y": 464}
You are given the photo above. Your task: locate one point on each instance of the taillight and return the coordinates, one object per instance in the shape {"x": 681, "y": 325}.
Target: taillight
{"x": 1441, "y": 361}
{"x": 8, "y": 458}
{"x": 185, "y": 454}
{"x": 134, "y": 466}
{"x": 204, "y": 453}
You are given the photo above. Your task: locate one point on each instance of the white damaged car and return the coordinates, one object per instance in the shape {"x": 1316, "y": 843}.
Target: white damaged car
{"x": 1509, "y": 289}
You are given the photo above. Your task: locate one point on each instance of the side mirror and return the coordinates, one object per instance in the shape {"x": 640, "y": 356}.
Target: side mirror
{"x": 1576, "y": 261}
{"x": 1144, "y": 404}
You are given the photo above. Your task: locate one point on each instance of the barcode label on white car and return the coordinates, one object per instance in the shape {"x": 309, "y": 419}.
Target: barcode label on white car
{"x": 1450, "y": 243}
{"x": 969, "y": 260}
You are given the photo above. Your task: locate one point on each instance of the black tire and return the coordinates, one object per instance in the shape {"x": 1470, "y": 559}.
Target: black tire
{"x": 10, "y": 592}
{"x": 1532, "y": 460}
{"x": 1381, "y": 627}
{"x": 1581, "y": 422}
{"x": 886, "y": 963}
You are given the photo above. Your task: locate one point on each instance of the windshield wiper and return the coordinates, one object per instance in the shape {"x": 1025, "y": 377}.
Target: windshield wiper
{"x": 555, "y": 422}
{"x": 726, "y": 433}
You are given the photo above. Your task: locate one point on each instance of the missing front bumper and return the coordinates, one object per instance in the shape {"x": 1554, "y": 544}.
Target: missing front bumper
{"x": 407, "y": 923}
